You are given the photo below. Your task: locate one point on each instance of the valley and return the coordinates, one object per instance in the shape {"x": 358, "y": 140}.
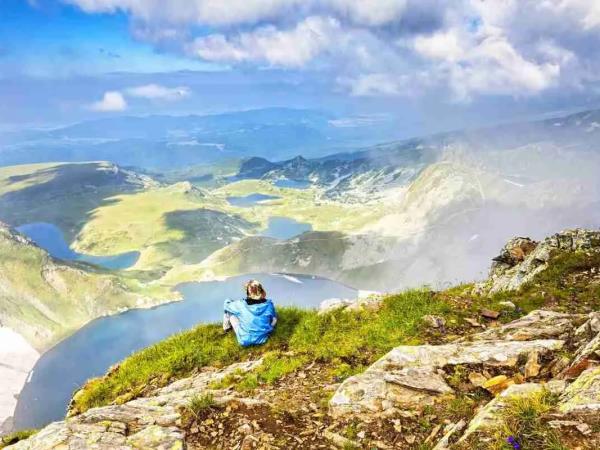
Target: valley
{"x": 384, "y": 218}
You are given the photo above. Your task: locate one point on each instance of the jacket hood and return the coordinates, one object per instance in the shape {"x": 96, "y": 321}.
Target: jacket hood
{"x": 259, "y": 308}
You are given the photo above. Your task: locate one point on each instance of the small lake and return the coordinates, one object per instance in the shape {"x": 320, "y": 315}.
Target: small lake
{"x": 293, "y": 184}
{"x": 250, "y": 200}
{"x": 105, "y": 341}
{"x": 50, "y": 238}
{"x": 285, "y": 228}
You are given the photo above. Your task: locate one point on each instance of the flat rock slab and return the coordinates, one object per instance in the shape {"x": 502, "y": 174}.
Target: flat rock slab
{"x": 143, "y": 423}
{"x": 582, "y": 397}
{"x": 408, "y": 378}
{"x": 537, "y": 324}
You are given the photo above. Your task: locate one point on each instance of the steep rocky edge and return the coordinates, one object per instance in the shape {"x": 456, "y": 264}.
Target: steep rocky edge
{"x": 512, "y": 363}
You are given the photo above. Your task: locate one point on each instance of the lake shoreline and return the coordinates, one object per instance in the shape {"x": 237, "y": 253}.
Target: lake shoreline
{"x": 105, "y": 341}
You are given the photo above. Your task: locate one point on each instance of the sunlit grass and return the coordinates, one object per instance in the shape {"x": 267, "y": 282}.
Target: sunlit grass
{"x": 355, "y": 337}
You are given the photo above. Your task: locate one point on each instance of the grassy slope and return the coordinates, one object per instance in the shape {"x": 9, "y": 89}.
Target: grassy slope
{"x": 170, "y": 226}
{"x": 310, "y": 253}
{"x": 62, "y": 194}
{"x": 44, "y": 299}
{"x": 140, "y": 221}
{"x": 15, "y": 437}
{"x": 303, "y": 205}
{"x": 348, "y": 340}
{"x": 14, "y": 178}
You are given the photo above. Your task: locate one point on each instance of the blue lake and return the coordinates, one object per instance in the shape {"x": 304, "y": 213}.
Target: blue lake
{"x": 294, "y": 184}
{"x": 250, "y": 200}
{"x": 51, "y": 239}
{"x": 285, "y": 228}
{"x": 93, "y": 349}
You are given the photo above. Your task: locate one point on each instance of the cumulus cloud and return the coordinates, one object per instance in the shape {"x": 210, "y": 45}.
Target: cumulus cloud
{"x": 467, "y": 47}
{"x": 111, "y": 101}
{"x": 116, "y": 100}
{"x": 235, "y": 12}
{"x": 158, "y": 92}
{"x": 289, "y": 48}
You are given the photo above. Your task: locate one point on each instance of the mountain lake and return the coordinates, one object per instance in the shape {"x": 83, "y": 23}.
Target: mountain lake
{"x": 105, "y": 341}
{"x": 50, "y": 238}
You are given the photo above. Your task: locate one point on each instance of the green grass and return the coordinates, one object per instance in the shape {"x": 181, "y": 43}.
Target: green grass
{"x": 200, "y": 404}
{"x": 15, "y": 437}
{"x": 356, "y": 338}
{"x": 522, "y": 419}
{"x": 350, "y": 340}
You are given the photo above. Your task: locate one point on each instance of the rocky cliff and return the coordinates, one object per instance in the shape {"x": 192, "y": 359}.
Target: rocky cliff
{"x": 513, "y": 363}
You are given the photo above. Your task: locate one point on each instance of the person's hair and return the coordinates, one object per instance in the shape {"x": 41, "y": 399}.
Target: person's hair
{"x": 255, "y": 290}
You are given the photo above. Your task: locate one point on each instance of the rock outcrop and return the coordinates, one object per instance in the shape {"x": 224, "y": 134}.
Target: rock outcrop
{"x": 582, "y": 397}
{"x": 488, "y": 420}
{"x": 521, "y": 259}
{"x": 145, "y": 423}
{"x": 371, "y": 301}
{"x": 410, "y": 377}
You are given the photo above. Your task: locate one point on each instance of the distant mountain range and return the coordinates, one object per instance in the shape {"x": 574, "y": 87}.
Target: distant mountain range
{"x": 171, "y": 142}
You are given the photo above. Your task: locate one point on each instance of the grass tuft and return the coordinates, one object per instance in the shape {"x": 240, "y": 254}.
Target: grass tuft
{"x": 200, "y": 404}
{"x": 13, "y": 438}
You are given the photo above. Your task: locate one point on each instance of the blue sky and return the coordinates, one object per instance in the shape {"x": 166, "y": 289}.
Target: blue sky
{"x": 431, "y": 64}
{"x": 49, "y": 39}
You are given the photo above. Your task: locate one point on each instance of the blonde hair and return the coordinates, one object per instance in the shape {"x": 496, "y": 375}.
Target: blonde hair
{"x": 255, "y": 290}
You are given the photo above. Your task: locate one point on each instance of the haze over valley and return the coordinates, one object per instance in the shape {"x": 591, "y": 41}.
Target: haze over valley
{"x": 369, "y": 159}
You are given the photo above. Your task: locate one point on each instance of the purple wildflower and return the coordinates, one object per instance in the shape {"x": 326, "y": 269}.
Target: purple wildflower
{"x": 512, "y": 441}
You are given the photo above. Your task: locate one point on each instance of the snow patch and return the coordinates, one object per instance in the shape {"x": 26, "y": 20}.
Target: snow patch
{"x": 514, "y": 183}
{"x": 18, "y": 358}
{"x": 288, "y": 278}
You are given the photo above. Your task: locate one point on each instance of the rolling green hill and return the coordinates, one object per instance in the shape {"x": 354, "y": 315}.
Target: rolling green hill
{"x": 45, "y": 299}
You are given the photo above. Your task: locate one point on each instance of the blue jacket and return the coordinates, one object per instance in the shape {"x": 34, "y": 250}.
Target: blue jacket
{"x": 255, "y": 320}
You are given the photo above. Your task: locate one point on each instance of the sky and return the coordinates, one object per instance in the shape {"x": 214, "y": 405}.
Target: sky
{"x": 432, "y": 65}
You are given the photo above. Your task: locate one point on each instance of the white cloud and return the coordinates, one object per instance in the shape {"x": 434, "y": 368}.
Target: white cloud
{"x": 366, "y": 13}
{"x": 209, "y": 12}
{"x": 235, "y": 12}
{"x": 443, "y": 45}
{"x": 495, "y": 67}
{"x": 115, "y": 100}
{"x": 111, "y": 101}
{"x": 466, "y": 48}
{"x": 158, "y": 92}
{"x": 289, "y": 48}
{"x": 487, "y": 63}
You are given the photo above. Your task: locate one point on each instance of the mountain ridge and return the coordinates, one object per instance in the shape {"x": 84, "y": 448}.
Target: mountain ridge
{"x": 450, "y": 369}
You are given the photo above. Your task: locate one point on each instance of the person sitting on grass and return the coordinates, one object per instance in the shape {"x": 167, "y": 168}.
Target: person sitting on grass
{"x": 253, "y": 318}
